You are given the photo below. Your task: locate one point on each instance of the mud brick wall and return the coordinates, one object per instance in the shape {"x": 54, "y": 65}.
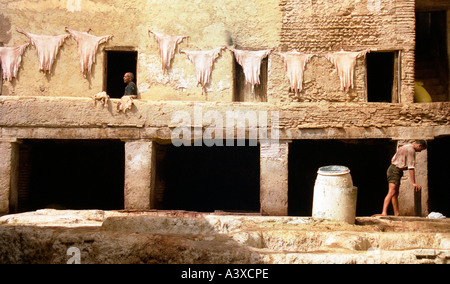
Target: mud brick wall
{"x": 319, "y": 26}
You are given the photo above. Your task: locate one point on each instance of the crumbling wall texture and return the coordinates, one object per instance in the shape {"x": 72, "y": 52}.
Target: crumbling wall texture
{"x": 314, "y": 26}
{"x": 73, "y": 118}
{"x": 319, "y": 26}
{"x": 209, "y": 24}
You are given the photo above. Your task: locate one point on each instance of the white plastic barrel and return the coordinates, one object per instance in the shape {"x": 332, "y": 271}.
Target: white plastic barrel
{"x": 334, "y": 195}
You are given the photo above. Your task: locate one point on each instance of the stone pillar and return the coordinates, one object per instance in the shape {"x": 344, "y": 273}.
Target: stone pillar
{"x": 274, "y": 178}
{"x": 140, "y": 166}
{"x": 9, "y": 165}
{"x": 412, "y": 203}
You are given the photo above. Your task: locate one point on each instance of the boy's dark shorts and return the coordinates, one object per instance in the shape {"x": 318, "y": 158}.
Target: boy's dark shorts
{"x": 394, "y": 174}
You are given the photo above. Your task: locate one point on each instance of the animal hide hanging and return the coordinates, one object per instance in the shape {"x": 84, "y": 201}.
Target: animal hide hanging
{"x": 87, "y": 48}
{"x": 295, "y": 63}
{"x": 10, "y": 59}
{"x": 251, "y": 64}
{"x": 167, "y": 45}
{"x": 203, "y": 62}
{"x": 345, "y": 63}
{"x": 47, "y": 48}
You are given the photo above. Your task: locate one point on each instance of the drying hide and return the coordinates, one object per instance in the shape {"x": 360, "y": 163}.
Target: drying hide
{"x": 102, "y": 97}
{"x": 295, "y": 63}
{"x": 251, "y": 64}
{"x": 87, "y": 48}
{"x": 10, "y": 59}
{"x": 167, "y": 45}
{"x": 203, "y": 62}
{"x": 345, "y": 63}
{"x": 126, "y": 102}
{"x": 47, "y": 48}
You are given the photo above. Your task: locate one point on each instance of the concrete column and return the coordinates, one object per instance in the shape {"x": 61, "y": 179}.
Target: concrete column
{"x": 140, "y": 165}
{"x": 9, "y": 165}
{"x": 274, "y": 178}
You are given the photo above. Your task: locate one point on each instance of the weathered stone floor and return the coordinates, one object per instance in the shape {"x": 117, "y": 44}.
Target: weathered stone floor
{"x": 45, "y": 236}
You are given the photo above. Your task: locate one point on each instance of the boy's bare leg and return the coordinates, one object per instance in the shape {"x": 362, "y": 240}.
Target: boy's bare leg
{"x": 391, "y": 196}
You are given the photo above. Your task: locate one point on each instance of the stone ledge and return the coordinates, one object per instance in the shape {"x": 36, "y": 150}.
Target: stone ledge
{"x": 185, "y": 237}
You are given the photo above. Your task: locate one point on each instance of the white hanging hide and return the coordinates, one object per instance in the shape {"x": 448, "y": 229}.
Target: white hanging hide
{"x": 10, "y": 59}
{"x": 47, "y": 48}
{"x": 87, "y": 48}
{"x": 203, "y": 62}
{"x": 345, "y": 63}
{"x": 295, "y": 63}
{"x": 251, "y": 64}
{"x": 167, "y": 45}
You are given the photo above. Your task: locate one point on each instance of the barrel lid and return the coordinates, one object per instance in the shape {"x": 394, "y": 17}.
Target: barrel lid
{"x": 333, "y": 170}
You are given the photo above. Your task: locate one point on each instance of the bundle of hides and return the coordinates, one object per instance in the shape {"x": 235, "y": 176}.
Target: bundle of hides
{"x": 101, "y": 97}
{"x": 126, "y": 102}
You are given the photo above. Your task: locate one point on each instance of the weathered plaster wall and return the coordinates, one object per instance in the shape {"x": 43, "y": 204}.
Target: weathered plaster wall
{"x": 209, "y": 24}
{"x": 50, "y": 18}
{"x": 310, "y": 26}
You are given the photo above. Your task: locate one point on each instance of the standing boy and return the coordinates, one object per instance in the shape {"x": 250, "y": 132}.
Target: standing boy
{"x": 405, "y": 158}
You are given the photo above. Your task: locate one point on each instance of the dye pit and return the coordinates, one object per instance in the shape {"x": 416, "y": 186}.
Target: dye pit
{"x": 186, "y": 237}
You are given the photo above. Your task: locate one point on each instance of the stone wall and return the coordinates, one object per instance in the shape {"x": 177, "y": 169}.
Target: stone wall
{"x": 209, "y": 24}
{"x": 330, "y": 25}
{"x": 310, "y": 26}
{"x": 72, "y": 118}
{"x": 57, "y": 105}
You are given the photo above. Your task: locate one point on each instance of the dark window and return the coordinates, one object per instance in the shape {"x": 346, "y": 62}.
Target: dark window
{"x": 117, "y": 64}
{"x": 431, "y": 66}
{"x": 438, "y": 155}
{"x": 381, "y": 77}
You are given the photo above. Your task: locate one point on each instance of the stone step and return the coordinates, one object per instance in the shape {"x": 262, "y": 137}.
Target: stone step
{"x": 192, "y": 237}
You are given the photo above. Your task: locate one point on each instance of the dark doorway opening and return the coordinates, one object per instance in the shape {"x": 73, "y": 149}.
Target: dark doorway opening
{"x": 431, "y": 66}
{"x": 438, "y": 186}
{"x": 381, "y": 76}
{"x": 367, "y": 160}
{"x": 242, "y": 92}
{"x": 117, "y": 64}
{"x": 71, "y": 174}
{"x": 206, "y": 179}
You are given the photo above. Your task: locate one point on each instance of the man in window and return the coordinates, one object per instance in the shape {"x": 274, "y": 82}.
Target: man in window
{"x": 130, "y": 93}
{"x": 131, "y": 88}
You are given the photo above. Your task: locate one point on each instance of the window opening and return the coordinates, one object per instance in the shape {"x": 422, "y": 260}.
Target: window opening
{"x": 116, "y": 65}
{"x": 382, "y": 77}
{"x": 431, "y": 66}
